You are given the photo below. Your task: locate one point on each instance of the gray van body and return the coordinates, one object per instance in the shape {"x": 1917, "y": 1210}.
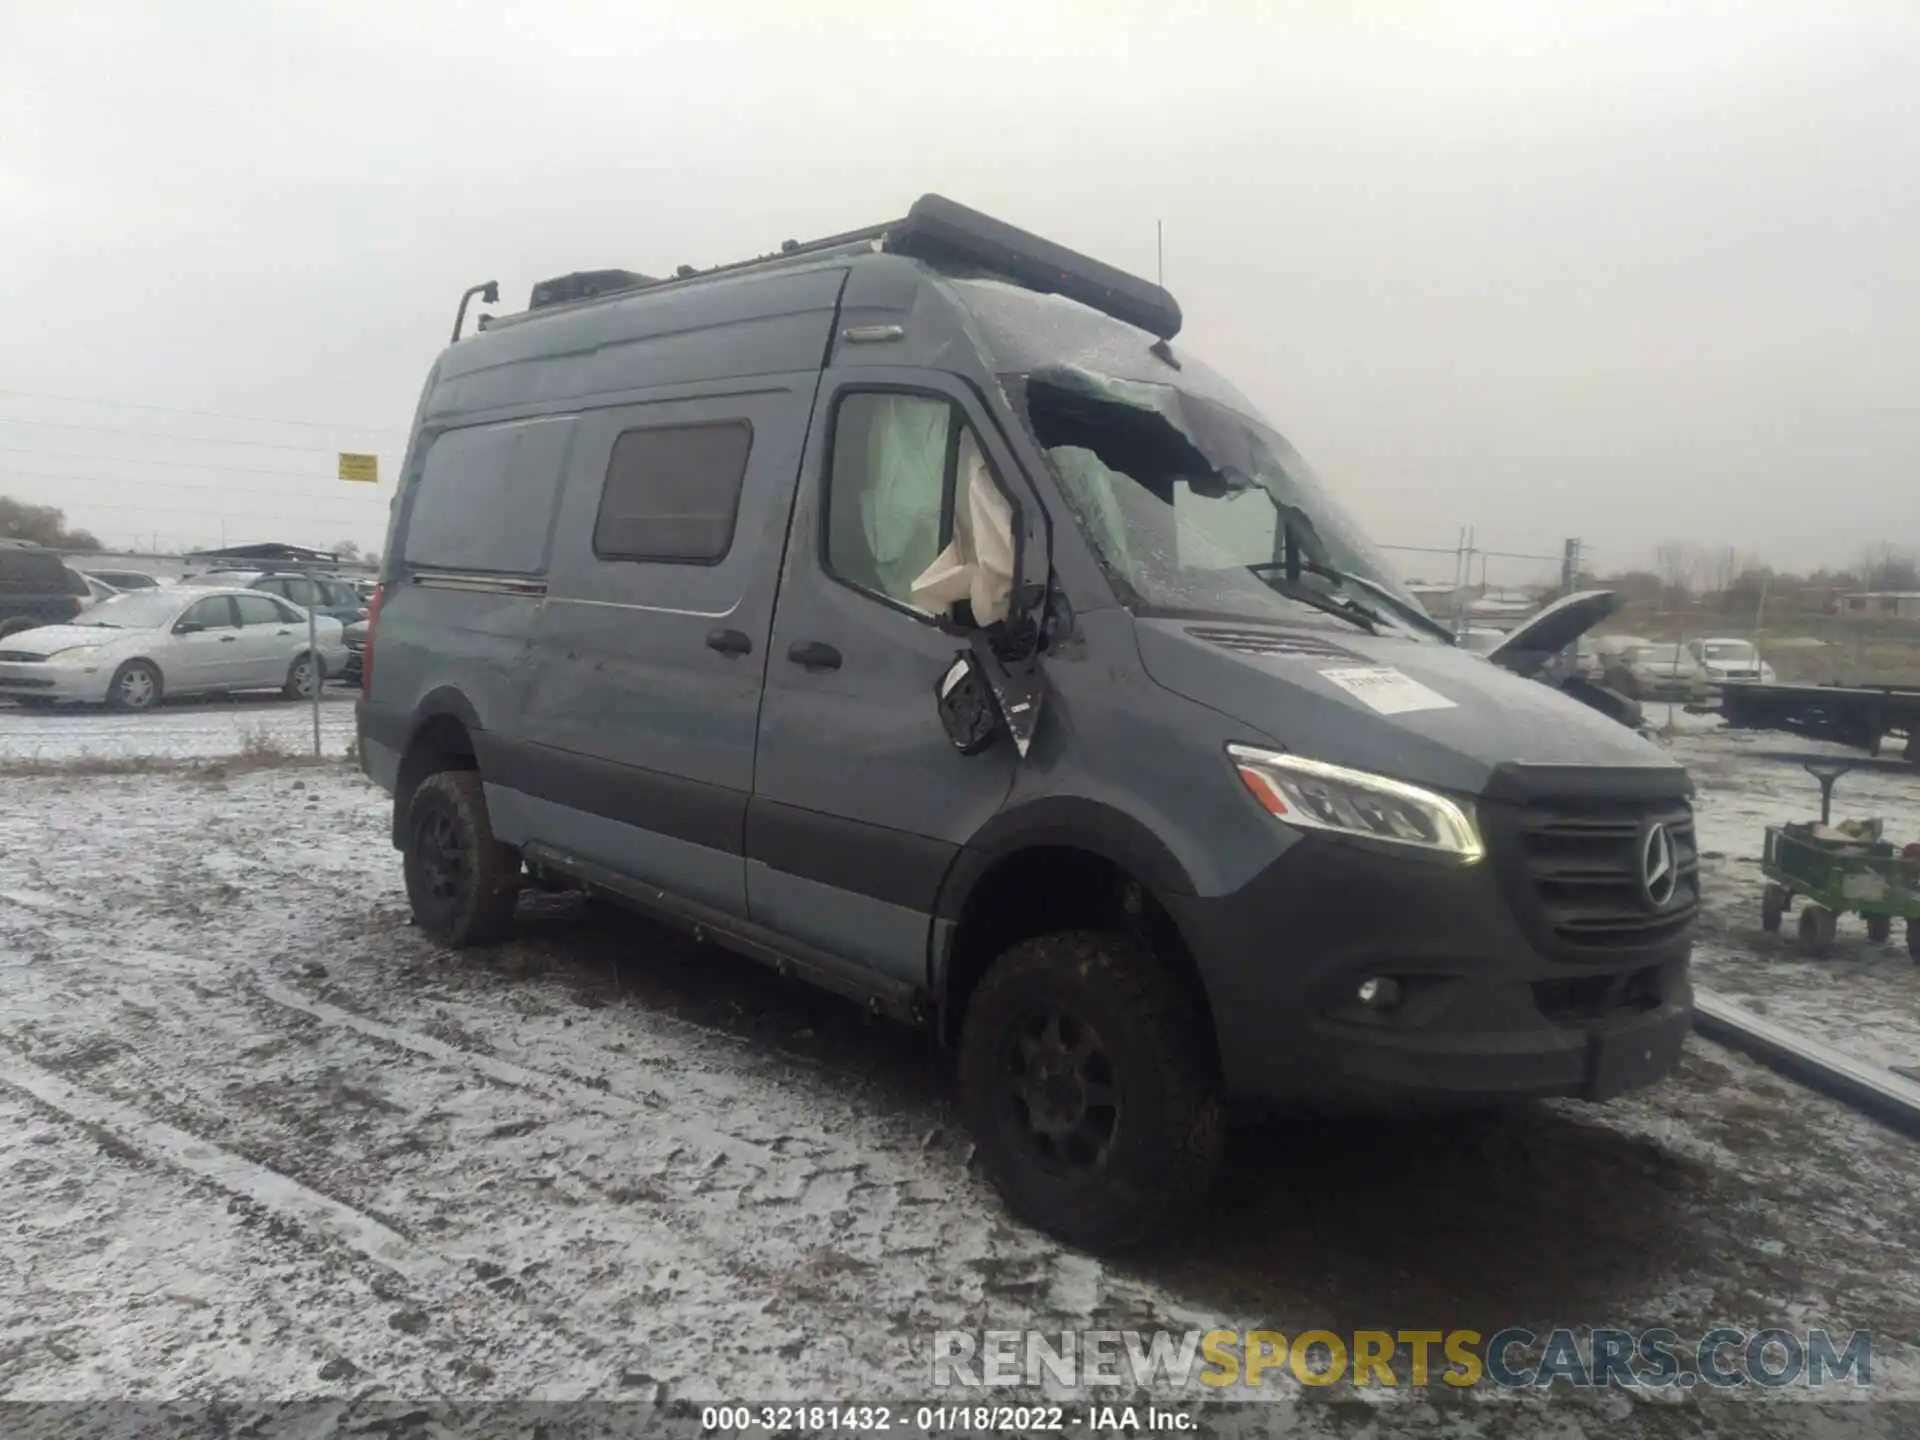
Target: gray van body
{"x": 653, "y": 730}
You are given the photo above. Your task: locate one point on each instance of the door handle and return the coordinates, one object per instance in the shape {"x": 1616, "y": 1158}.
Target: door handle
{"x": 814, "y": 655}
{"x": 729, "y": 642}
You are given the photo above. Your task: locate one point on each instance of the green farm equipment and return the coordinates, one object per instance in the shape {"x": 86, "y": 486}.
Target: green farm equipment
{"x": 1846, "y": 870}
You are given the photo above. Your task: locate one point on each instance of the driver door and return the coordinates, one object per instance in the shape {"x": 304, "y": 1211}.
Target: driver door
{"x": 860, "y": 801}
{"x": 206, "y": 649}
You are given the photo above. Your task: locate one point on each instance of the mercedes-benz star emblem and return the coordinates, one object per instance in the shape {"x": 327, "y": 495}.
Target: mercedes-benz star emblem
{"x": 1658, "y": 872}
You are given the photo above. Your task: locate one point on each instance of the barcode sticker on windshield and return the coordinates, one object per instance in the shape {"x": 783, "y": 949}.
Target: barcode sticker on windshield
{"x": 1385, "y": 689}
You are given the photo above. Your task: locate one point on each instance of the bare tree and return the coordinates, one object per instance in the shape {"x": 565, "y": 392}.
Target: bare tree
{"x": 1679, "y": 567}
{"x": 1722, "y": 568}
{"x": 1885, "y": 566}
{"x": 347, "y": 549}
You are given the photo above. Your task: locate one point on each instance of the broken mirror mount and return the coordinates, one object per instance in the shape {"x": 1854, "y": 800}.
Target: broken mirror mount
{"x": 980, "y": 695}
{"x": 967, "y": 709}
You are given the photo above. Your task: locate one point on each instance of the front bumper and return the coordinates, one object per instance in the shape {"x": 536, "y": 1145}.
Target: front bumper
{"x": 1487, "y": 1010}
{"x": 21, "y": 680}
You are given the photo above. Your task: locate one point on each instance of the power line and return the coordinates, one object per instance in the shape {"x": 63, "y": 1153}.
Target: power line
{"x": 170, "y": 464}
{"x": 162, "y": 435}
{"x": 173, "y": 485}
{"x": 204, "y": 414}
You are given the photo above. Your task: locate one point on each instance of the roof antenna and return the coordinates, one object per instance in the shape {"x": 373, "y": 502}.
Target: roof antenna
{"x": 1160, "y": 254}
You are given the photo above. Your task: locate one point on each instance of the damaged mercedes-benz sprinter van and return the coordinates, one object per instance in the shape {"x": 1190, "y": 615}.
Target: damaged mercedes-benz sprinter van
{"x": 908, "y": 611}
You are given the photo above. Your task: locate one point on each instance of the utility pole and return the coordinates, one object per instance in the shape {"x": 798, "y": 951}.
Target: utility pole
{"x": 1570, "y": 566}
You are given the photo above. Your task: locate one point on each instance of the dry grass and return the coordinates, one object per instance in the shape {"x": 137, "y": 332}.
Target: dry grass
{"x": 199, "y": 767}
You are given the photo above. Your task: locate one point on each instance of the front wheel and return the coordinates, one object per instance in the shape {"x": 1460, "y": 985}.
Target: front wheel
{"x": 462, "y": 882}
{"x": 300, "y": 679}
{"x": 135, "y": 687}
{"x": 1087, "y": 1080}
{"x": 1879, "y": 928}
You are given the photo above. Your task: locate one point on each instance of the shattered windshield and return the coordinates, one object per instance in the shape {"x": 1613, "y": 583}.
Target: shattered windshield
{"x": 1197, "y": 508}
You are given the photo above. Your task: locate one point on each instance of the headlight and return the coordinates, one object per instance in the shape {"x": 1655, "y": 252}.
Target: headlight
{"x": 1319, "y": 796}
{"x": 78, "y": 655}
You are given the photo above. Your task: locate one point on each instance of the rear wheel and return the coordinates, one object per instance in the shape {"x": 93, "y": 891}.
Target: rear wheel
{"x": 300, "y": 679}
{"x": 1879, "y": 928}
{"x": 1773, "y": 905}
{"x": 135, "y": 687}
{"x": 1088, "y": 1083}
{"x": 1818, "y": 925}
{"x": 461, "y": 881}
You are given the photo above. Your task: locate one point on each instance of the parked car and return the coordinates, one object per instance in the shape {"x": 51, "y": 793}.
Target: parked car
{"x": 1658, "y": 672}
{"x": 36, "y": 587}
{"x": 132, "y": 650}
{"x": 356, "y": 641}
{"x": 906, "y": 612}
{"x": 1725, "y": 660}
{"x": 326, "y": 595}
{"x": 124, "y": 579}
{"x": 97, "y": 590}
{"x": 1552, "y": 648}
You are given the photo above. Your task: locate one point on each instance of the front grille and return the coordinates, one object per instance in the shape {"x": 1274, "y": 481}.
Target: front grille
{"x": 8, "y": 683}
{"x": 20, "y": 657}
{"x": 1576, "y": 869}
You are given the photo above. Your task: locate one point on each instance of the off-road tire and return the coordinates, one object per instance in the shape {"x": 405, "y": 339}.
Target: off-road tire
{"x": 1773, "y": 905}
{"x": 118, "y": 696}
{"x": 1879, "y": 928}
{"x": 462, "y": 883}
{"x": 1168, "y": 1126}
{"x": 292, "y": 688}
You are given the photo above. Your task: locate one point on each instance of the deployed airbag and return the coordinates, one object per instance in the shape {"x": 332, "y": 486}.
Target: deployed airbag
{"x": 977, "y": 565}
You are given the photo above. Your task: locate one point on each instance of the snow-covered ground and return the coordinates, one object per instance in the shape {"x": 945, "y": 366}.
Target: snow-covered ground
{"x": 182, "y": 730}
{"x": 259, "y": 1141}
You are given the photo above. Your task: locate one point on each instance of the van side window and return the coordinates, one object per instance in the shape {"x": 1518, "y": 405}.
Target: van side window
{"x": 673, "y": 493}
{"x": 890, "y": 490}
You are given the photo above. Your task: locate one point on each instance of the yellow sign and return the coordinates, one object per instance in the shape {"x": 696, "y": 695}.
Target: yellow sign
{"x": 362, "y": 468}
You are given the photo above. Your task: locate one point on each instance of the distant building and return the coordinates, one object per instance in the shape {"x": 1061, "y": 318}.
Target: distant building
{"x": 1880, "y": 605}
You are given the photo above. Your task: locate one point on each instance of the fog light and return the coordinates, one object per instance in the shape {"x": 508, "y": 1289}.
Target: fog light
{"x": 1378, "y": 993}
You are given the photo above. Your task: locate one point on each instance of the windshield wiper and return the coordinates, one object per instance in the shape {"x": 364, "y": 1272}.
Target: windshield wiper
{"x": 1413, "y": 614}
{"x": 1345, "y": 606}
{"x": 1306, "y": 553}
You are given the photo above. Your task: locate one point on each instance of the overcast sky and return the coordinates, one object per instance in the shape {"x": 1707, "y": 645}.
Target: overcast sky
{"x": 1625, "y": 272}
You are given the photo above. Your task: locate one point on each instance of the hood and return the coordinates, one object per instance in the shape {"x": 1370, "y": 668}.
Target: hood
{"x": 1529, "y": 648}
{"x": 1429, "y": 714}
{"x": 48, "y": 640}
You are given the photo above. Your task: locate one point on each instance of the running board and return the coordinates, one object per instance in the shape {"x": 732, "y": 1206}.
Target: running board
{"x": 1873, "y": 1090}
{"x": 878, "y": 993}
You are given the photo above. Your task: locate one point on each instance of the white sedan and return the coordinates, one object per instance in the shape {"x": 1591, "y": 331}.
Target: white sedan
{"x": 1725, "y": 660}
{"x": 131, "y": 650}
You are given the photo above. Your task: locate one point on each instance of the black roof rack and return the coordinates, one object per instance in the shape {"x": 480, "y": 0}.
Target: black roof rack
{"x": 941, "y": 232}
